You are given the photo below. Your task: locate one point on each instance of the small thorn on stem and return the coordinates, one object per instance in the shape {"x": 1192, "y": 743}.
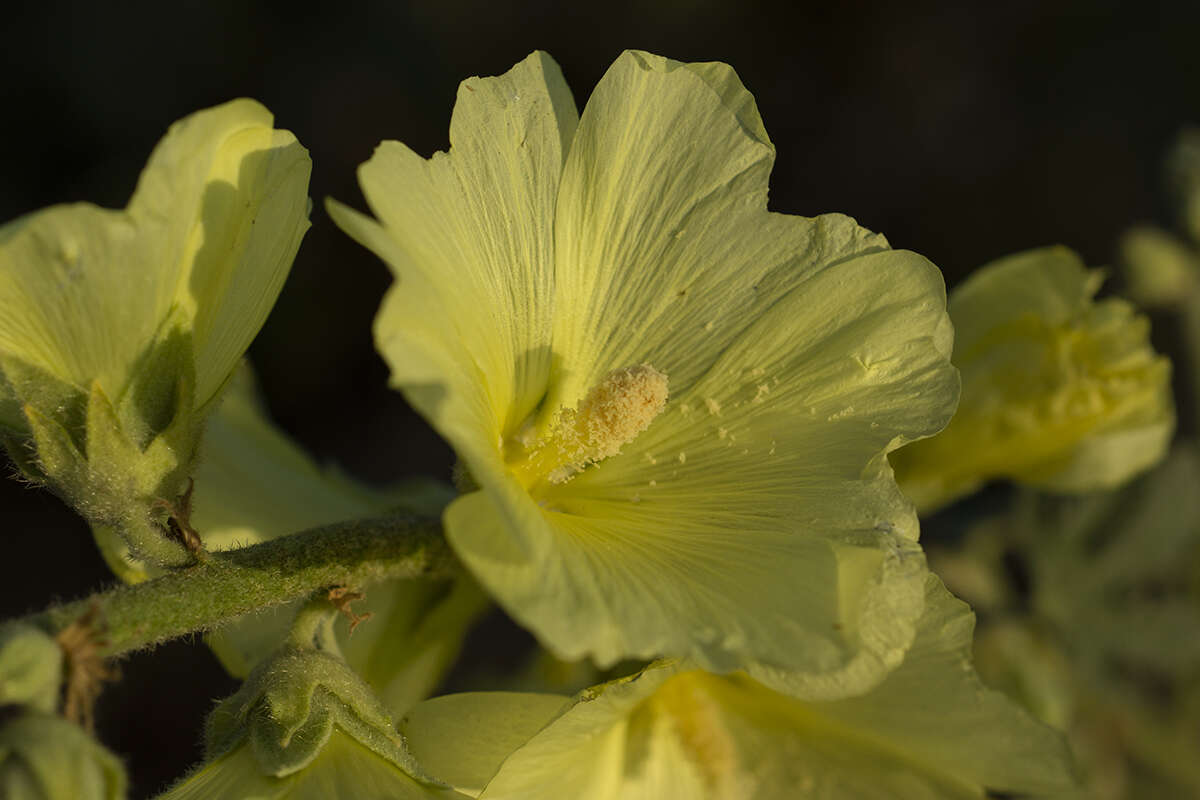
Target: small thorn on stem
{"x": 341, "y": 597}
{"x": 87, "y": 672}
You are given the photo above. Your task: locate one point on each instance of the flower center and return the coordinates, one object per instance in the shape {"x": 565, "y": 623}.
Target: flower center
{"x": 611, "y": 415}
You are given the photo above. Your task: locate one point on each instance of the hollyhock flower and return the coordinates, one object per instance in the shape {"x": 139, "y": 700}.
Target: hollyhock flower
{"x": 672, "y": 407}
{"x": 1060, "y": 391}
{"x": 930, "y": 729}
{"x": 118, "y": 329}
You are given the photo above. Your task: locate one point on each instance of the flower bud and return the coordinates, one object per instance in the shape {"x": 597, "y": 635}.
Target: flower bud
{"x": 45, "y": 757}
{"x": 304, "y": 725}
{"x": 31, "y": 667}
{"x": 1059, "y": 391}
{"x": 289, "y": 707}
{"x": 1160, "y": 270}
{"x": 1183, "y": 171}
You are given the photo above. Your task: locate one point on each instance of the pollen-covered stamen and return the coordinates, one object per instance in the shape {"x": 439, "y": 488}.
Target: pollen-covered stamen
{"x": 612, "y": 415}
{"x": 615, "y": 411}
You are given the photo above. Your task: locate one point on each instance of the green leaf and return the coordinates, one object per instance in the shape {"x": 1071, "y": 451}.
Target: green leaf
{"x": 31, "y": 667}
{"x": 44, "y": 757}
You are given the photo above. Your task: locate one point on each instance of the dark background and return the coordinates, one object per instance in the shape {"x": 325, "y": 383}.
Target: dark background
{"x": 963, "y": 131}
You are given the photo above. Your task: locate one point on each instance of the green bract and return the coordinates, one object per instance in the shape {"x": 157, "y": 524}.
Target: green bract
{"x": 929, "y": 730}
{"x": 119, "y": 328}
{"x": 342, "y": 769}
{"x": 1161, "y": 271}
{"x": 1060, "y": 391}
{"x": 290, "y": 705}
{"x": 44, "y": 757}
{"x": 676, "y": 405}
{"x": 31, "y": 667}
{"x": 305, "y": 725}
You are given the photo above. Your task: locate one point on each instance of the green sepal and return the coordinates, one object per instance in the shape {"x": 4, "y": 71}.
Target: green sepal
{"x": 124, "y": 484}
{"x": 56, "y": 459}
{"x": 114, "y": 464}
{"x": 288, "y": 708}
{"x": 118, "y": 463}
{"x": 24, "y": 387}
{"x": 23, "y": 384}
{"x": 20, "y": 452}
{"x": 45, "y": 757}
{"x": 31, "y": 667}
{"x": 109, "y": 451}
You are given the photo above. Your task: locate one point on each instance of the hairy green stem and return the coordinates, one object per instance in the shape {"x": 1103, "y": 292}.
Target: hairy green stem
{"x": 234, "y": 582}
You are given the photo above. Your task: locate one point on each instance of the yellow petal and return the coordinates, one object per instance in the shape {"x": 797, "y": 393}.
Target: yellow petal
{"x": 79, "y": 289}
{"x": 1160, "y": 270}
{"x": 256, "y": 484}
{"x": 209, "y": 235}
{"x": 663, "y": 237}
{"x": 463, "y": 738}
{"x": 665, "y": 261}
{"x": 472, "y": 244}
{"x": 930, "y": 730}
{"x": 230, "y": 196}
{"x": 756, "y": 519}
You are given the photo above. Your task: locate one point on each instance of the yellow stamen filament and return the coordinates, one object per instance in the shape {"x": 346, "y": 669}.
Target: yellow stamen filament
{"x": 696, "y": 717}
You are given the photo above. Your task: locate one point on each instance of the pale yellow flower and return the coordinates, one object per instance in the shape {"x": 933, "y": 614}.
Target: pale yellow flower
{"x": 676, "y": 404}
{"x": 1060, "y": 391}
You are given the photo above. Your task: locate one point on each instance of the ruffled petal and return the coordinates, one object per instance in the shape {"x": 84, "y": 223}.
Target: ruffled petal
{"x": 930, "y": 730}
{"x": 663, "y": 253}
{"x": 935, "y": 708}
{"x": 80, "y": 291}
{"x": 208, "y": 237}
{"x": 756, "y": 519}
{"x": 663, "y": 237}
{"x": 469, "y": 235}
{"x": 462, "y": 739}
